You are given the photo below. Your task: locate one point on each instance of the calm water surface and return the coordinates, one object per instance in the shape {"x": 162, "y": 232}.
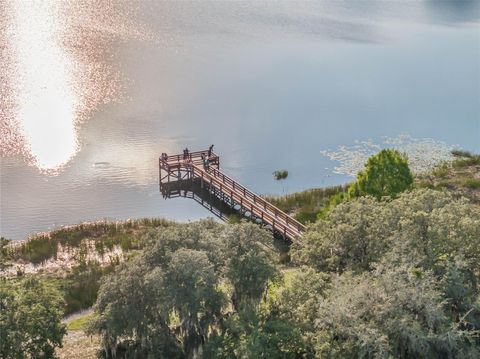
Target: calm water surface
{"x": 92, "y": 92}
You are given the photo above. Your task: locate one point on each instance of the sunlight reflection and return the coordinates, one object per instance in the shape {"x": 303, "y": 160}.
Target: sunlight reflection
{"x": 46, "y": 101}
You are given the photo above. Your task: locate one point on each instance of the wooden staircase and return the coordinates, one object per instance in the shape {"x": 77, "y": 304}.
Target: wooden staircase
{"x": 180, "y": 173}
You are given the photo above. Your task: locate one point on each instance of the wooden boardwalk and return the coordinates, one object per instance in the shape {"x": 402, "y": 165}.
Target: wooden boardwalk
{"x": 179, "y": 174}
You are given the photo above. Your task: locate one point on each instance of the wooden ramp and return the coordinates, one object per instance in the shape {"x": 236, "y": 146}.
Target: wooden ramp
{"x": 187, "y": 176}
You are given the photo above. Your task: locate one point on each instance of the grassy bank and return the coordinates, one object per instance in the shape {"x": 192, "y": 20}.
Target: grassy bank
{"x": 93, "y": 250}
{"x": 105, "y": 235}
{"x": 74, "y": 259}
{"x": 461, "y": 176}
{"x": 306, "y": 205}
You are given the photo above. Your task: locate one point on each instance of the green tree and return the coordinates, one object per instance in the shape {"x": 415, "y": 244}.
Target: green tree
{"x": 30, "y": 319}
{"x": 248, "y": 265}
{"x": 173, "y": 298}
{"x": 395, "y": 311}
{"x": 404, "y": 274}
{"x": 190, "y": 288}
{"x": 385, "y": 174}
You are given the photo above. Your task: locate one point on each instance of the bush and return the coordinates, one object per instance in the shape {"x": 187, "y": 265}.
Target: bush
{"x": 81, "y": 286}
{"x": 30, "y": 319}
{"x": 37, "y": 249}
{"x": 280, "y": 174}
{"x": 466, "y": 162}
{"x": 332, "y": 203}
{"x": 385, "y": 174}
{"x": 404, "y": 274}
{"x": 461, "y": 153}
{"x": 309, "y": 203}
{"x": 473, "y": 183}
{"x": 170, "y": 300}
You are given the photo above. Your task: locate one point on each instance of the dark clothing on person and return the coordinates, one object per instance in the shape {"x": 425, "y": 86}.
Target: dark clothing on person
{"x": 206, "y": 164}
{"x": 210, "y": 150}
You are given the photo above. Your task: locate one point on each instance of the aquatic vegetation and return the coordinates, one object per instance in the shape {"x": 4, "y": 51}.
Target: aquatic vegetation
{"x": 423, "y": 154}
{"x": 106, "y": 235}
{"x": 280, "y": 174}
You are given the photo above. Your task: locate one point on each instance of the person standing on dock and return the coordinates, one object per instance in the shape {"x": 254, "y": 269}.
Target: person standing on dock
{"x": 210, "y": 150}
{"x": 185, "y": 153}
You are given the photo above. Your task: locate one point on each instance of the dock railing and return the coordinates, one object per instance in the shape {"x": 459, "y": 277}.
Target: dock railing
{"x": 212, "y": 176}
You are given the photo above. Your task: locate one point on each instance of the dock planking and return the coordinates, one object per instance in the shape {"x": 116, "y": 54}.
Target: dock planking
{"x": 188, "y": 174}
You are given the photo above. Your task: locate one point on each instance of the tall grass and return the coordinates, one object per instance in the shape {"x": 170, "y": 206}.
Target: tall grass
{"x": 461, "y": 153}
{"x": 44, "y": 246}
{"x": 306, "y": 205}
{"x": 473, "y": 160}
{"x": 472, "y": 183}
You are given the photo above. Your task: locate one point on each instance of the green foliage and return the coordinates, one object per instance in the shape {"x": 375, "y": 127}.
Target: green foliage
{"x": 473, "y": 183}
{"x": 80, "y": 323}
{"x": 397, "y": 278}
{"x": 244, "y": 255}
{"x": 383, "y": 279}
{"x": 442, "y": 170}
{"x": 234, "y": 218}
{"x": 306, "y": 216}
{"x": 404, "y": 279}
{"x": 177, "y": 286}
{"x": 459, "y": 176}
{"x": 4, "y": 254}
{"x": 332, "y": 203}
{"x": 247, "y": 335}
{"x": 80, "y": 287}
{"x": 307, "y": 205}
{"x": 37, "y": 249}
{"x": 386, "y": 313}
{"x": 473, "y": 160}
{"x": 280, "y": 174}
{"x": 385, "y": 174}
{"x": 42, "y": 247}
{"x": 30, "y": 319}
{"x": 461, "y": 153}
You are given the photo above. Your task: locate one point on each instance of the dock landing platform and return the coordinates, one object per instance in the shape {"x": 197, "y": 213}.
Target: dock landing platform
{"x": 187, "y": 175}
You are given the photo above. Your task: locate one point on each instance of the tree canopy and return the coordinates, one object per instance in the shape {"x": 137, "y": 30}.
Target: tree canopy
{"x": 30, "y": 319}
{"x": 373, "y": 279}
{"x": 385, "y": 174}
{"x": 183, "y": 289}
{"x": 402, "y": 279}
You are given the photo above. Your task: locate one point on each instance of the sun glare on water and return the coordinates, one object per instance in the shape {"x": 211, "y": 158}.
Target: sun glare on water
{"x": 45, "y": 97}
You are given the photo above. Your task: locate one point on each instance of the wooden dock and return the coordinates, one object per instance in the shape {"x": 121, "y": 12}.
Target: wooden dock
{"x": 187, "y": 176}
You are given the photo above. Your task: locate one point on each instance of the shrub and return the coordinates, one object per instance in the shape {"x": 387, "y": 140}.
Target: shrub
{"x": 30, "y": 319}
{"x": 461, "y": 153}
{"x": 385, "y": 174}
{"x": 81, "y": 286}
{"x": 466, "y": 162}
{"x": 473, "y": 183}
{"x": 280, "y": 174}
{"x": 37, "y": 249}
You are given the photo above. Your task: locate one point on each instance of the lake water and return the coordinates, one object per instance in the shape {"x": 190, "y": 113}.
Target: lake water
{"x": 92, "y": 93}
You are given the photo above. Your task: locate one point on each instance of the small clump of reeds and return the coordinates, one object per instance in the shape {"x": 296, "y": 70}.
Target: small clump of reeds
{"x": 280, "y": 174}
